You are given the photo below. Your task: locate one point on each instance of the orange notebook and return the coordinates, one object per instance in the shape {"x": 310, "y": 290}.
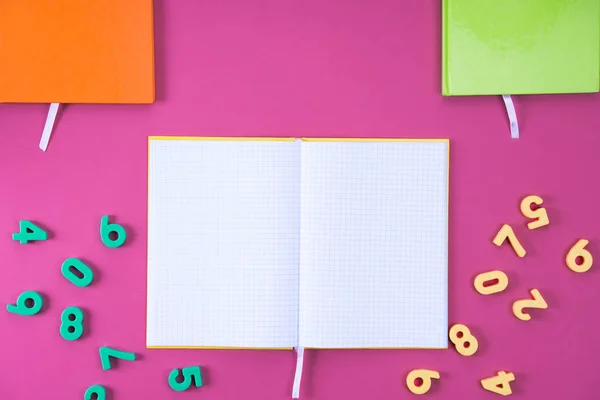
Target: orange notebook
{"x": 73, "y": 51}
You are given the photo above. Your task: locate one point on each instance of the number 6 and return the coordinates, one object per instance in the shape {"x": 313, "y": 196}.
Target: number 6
{"x": 578, "y": 251}
{"x": 426, "y": 375}
{"x": 106, "y": 229}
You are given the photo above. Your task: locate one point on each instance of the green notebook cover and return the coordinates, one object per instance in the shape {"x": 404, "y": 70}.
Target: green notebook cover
{"x": 493, "y": 47}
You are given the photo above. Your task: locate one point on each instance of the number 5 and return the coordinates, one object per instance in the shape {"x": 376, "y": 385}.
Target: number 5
{"x": 189, "y": 374}
{"x": 540, "y": 215}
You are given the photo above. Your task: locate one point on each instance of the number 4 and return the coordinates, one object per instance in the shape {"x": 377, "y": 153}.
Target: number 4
{"x": 499, "y": 384}
{"x": 28, "y": 231}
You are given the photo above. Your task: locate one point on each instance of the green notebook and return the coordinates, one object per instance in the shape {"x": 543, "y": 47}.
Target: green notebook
{"x": 493, "y": 47}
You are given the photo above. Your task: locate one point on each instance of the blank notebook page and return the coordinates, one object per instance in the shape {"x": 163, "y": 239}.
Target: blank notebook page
{"x": 223, "y": 234}
{"x": 373, "y": 264}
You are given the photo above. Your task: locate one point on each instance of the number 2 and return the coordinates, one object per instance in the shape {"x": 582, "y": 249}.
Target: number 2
{"x": 189, "y": 374}
{"x": 97, "y": 390}
{"x": 506, "y": 232}
{"x": 540, "y": 215}
{"x": 499, "y": 384}
{"x": 537, "y": 302}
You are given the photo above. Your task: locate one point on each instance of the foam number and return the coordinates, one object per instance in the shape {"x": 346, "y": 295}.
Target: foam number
{"x": 77, "y": 272}
{"x": 28, "y": 232}
{"x": 190, "y": 374}
{"x": 426, "y": 375}
{"x": 113, "y": 235}
{"x": 97, "y": 390}
{"x": 465, "y": 343}
{"x": 506, "y": 232}
{"x": 71, "y": 327}
{"x": 499, "y": 384}
{"x": 498, "y": 279}
{"x": 106, "y": 353}
{"x": 539, "y": 214}
{"x": 28, "y": 303}
{"x": 537, "y": 302}
{"x": 578, "y": 250}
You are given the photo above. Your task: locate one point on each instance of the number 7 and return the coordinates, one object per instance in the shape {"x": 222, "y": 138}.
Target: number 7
{"x": 107, "y": 352}
{"x": 506, "y": 232}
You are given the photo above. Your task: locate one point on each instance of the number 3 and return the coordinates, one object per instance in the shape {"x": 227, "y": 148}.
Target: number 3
{"x": 540, "y": 215}
{"x": 189, "y": 374}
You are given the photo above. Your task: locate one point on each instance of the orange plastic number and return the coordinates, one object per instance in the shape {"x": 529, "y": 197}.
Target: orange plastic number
{"x": 506, "y": 232}
{"x": 491, "y": 276}
{"x": 537, "y": 302}
{"x": 578, "y": 250}
{"x": 426, "y": 375}
{"x": 466, "y": 344}
{"x": 499, "y": 384}
{"x": 540, "y": 215}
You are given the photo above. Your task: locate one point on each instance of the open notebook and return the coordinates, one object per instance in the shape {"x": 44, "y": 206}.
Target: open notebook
{"x": 282, "y": 243}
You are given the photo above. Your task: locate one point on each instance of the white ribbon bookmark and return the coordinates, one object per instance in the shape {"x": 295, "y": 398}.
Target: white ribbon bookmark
{"x": 49, "y": 125}
{"x": 298, "y": 374}
{"x": 512, "y": 116}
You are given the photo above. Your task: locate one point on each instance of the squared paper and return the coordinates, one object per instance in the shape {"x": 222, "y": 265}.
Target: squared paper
{"x": 258, "y": 243}
{"x": 223, "y": 243}
{"x": 373, "y": 264}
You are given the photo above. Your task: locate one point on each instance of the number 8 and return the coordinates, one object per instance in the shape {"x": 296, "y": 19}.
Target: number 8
{"x": 71, "y": 327}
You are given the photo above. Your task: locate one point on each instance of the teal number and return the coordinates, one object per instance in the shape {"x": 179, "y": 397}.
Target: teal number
{"x": 22, "y": 308}
{"x": 28, "y": 231}
{"x": 107, "y": 352}
{"x": 87, "y": 275}
{"x": 189, "y": 374}
{"x": 71, "y": 327}
{"x": 106, "y": 229}
{"x": 97, "y": 390}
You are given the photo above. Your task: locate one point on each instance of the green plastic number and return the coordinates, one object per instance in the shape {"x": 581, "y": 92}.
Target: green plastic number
{"x": 87, "y": 275}
{"x": 106, "y": 229}
{"x": 189, "y": 374}
{"x": 97, "y": 390}
{"x": 107, "y": 352}
{"x": 21, "y": 307}
{"x": 28, "y": 232}
{"x": 71, "y": 327}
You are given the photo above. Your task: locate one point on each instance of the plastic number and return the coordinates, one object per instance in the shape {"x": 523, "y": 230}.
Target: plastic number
{"x": 106, "y": 229}
{"x": 107, "y": 352}
{"x": 426, "y": 375}
{"x": 71, "y": 327}
{"x": 189, "y": 374}
{"x": 500, "y": 285}
{"x": 21, "y": 307}
{"x": 506, "y": 232}
{"x": 28, "y": 231}
{"x": 97, "y": 390}
{"x": 87, "y": 275}
{"x": 578, "y": 250}
{"x": 466, "y": 344}
{"x": 537, "y": 302}
{"x": 540, "y": 215}
{"x": 499, "y": 384}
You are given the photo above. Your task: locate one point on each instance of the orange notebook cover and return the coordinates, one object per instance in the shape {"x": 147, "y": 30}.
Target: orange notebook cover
{"x": 73, "y": 51}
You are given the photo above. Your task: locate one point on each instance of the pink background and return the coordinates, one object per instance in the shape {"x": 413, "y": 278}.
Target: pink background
{"x": 352, "y": 68}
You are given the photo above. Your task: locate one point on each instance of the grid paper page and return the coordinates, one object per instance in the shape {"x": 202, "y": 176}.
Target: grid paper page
{"x": 223, "y": 243}
{"x": 373, "y": 263}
